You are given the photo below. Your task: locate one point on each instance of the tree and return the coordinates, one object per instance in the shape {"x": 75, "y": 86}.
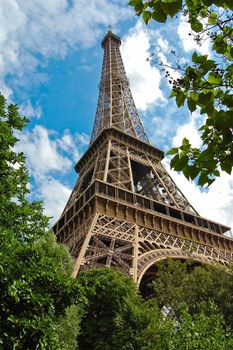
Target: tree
{"x": 35, "y": 283}
{"x": 68, "y": 327}
{"x": 193, "y": 331}
{"x": 111, "y": 297}
{"x": 179, "y": 282}
{"x": 205, "y": 85}
{"x": 202, "y": 332}
{"x": 16, "y": 212}
{"x": 116, "y": 317}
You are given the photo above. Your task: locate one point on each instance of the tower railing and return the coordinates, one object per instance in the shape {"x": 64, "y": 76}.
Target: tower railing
{"x": 138, "y": 201}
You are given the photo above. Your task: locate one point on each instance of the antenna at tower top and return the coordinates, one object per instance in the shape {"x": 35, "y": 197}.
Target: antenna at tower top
{"x": 109, "y": 28}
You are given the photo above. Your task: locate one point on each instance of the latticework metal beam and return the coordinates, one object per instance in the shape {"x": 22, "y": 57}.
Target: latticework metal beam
{"x": 115, "y": 106}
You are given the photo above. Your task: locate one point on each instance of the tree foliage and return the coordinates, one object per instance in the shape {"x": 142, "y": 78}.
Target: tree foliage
{"x": 205, "y": 85}
{"x": 111, "y": 300}
{"x": 179, "y": 282}
{"x": 68, "y": 327}
{"x": 35, "y": 283}
{"x": 116, "y": 317}
{"x": 201, "y": 332}
{"x": 16, "y": 212}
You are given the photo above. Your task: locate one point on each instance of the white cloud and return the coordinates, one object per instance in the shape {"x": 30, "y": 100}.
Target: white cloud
{"x": 54, "y": 195}
{"x": 144, "y": 78}
{"x": 189, "y": 43}
{"x": 162, "y": 126}
{"x": 33, "y": 31}
{"x": 163, "y": 44}
{"x": 42, "y": 152}
{"x": 83, "y": 139}
{"x": 5, "y": 90}
{"x": 46, "y": 152}
{"x": 73, "y": 143}
{"x": 189, "y": 130}
{"x": 27, "y": 110}
{"x": 215, "y": 204}
{"x": 49, "y": 158}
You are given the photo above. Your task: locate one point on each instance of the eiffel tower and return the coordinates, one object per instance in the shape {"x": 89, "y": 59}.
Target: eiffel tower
{"x": 125, "y": 210}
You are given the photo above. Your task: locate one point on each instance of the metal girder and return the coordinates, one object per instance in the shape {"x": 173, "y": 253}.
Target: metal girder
{"x": 116, "y": 106}
{"x": 132, "y": 248}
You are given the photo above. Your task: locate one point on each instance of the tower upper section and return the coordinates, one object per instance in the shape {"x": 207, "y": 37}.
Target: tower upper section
{"x": 115, "y": 106}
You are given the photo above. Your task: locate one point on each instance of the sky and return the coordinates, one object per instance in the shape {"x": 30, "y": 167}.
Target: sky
{"x": 50, "y": 65}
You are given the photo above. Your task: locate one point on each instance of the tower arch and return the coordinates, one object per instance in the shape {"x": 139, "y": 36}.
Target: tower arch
{"x": 154, "y": 256}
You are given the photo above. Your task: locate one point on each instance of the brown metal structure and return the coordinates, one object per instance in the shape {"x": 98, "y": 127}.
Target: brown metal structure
{"x": 125, "y": 210}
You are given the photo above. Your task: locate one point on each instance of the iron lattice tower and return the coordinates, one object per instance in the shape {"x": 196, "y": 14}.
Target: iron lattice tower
{"x": 125, "y": 210}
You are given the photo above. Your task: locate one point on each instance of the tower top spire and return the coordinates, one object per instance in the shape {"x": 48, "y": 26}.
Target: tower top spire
{"x": 110, "y": 36}
{"x": 116, "y": 107}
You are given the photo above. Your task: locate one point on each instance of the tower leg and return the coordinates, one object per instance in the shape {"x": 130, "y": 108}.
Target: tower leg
{"x": 84, "y": 247}
{"x": 135, "y": 258}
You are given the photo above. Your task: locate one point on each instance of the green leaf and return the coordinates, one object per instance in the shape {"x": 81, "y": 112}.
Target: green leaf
{"x": 194, "y": 171}
{"x": 201, "y": 59}
{"x": 207, "y": 2}
{"x": 180, "y": 98}
{"x": 203, "y": 127}
{"x": 138, "y": 6}
{"x": 219, "y": 3}
{"x": 172, "y": 7}
{"x": 191, "y": 105}
{"x": 173, "y": 151}
{"x": 173, "y": 93}
{"x": 212, "y": 18}
{"x": 160, "y": 17}
{"x": 223, "y": 121}
{"x": 158, "y": 14}
{"x": 204, "y": 99}
{"x": 226, "y": 166}
{"x": 181, "y": 163}
{"x": 196, "y": 25}
{"x": 220, "y": 46}
{"x": 146, "y": 16}
{"x": 227, "y": 100}
{"x": 186, "y": 172}
{"x": 203, "y": 179}
{"x": 185, "y": 144}
{"x": 216, "y": 173}
{"x": 194, "y": 95}
{"x": 132, "y": 2}
{"x": 214, "y": 78}
{"x": 173, "y": 161}
{"x": 195, "y": 57}
{"x": 231, "y": 52}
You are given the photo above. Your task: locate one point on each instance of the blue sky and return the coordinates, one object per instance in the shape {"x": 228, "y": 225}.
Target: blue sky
{"x": 50, "y": 65}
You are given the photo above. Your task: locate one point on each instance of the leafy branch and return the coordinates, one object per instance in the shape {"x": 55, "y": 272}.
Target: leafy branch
{"x": 205, "y": 85}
